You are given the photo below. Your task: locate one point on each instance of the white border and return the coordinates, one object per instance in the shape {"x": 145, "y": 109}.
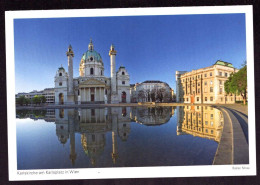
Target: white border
{"x": 98, "y": 173}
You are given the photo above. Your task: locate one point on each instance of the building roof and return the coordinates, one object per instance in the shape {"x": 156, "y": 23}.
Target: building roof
{"x": 219, "y": 62}
{"x": 92, "y": 53}
{"x": 153, "y": 81}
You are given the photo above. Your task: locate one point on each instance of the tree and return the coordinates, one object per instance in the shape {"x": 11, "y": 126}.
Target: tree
{"x": 141, "y": 95}
{"x": 237, "y": 83}
{"x": 22, "y": 100}
{"x": 42, "y": 99}
{"x": 36, "y": 99}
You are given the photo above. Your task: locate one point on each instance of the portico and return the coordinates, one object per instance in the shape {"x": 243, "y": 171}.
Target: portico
{"x": 92, "y": 91}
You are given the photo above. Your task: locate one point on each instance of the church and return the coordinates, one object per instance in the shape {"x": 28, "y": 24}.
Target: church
{"x": 92, "y": 87}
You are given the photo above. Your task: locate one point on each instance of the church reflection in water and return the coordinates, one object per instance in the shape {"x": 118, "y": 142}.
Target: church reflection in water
{"x": 93, "y": 124}
{"x": 200, "y": 121}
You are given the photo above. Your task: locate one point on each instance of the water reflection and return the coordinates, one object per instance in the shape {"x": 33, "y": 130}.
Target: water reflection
{"x": 93, "y": 125}
{"x": 200, "y": 121}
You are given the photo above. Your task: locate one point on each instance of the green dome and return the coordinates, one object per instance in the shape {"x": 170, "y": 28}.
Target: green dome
{"x": 96, "y": 56}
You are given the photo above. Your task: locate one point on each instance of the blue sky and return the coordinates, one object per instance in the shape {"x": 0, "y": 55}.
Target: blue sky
{"x": 150, "y": 47}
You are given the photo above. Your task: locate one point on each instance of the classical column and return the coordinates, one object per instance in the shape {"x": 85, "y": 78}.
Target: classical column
{"x": 95, "y": 95}
{"x": 100, "y": 98}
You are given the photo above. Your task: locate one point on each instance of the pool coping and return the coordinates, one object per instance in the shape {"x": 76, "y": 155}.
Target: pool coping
{"x": 232, "y": 148}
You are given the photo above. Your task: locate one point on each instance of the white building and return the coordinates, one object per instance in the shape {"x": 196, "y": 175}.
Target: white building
{"x": 92, "y": 86}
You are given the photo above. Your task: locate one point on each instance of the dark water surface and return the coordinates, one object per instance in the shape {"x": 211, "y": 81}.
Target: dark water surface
{"x": 117, "y": 137}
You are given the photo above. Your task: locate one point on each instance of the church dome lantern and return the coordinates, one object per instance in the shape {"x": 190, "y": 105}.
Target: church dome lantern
{"x": 91, "y": 55}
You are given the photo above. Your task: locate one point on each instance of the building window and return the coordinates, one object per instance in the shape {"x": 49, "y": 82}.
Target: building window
{"x": 78, "y": 92}
{"x": 123, "y": 82}
{"x": 210, "y": 74}
{"x": 211, "y": 123}
{"x": 221, "y": 99}
{"x": 198, "y": 90}
{"x": 60, "y": 84}
{"x": 123, "y": 73}
{"x": 220, "y": 91}
{"x": 198, "y": 99}
{"x": 60, "y": 74}
{"x": 226, "y": 75}
{"x": 211, "y": 131}
{"x": 211, "y": 89}
{"x": 106, "y": 91}
{"x": 193, "y": 85}
{"x": 211, "y": 82}
{"x": 91, "y": 71}
{"x": 206, "y": 99}
{"x": 205, "y": 75}
{"x": 205, "y": 83}
{"x": 198, "y": 84}
{"x": 220, "y": 82}
{"x": 206, "y": 122}
{"x": 206, "y": 130}
{"x": 101, "y": 72}
{"x": 187, "y": 99}
{"x": 220, "y": 73}
{"x": 211, "y": 98}
{"x": 198, "y": 76}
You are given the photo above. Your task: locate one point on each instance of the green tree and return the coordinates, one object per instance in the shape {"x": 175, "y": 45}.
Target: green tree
{"x": 237, "y": 83}
{"x": 42, "y": 99}
{"x": 36, "y": 99}
{"x": 22, "y": 100}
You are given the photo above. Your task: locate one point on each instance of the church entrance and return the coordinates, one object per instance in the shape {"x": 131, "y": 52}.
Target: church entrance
{"x": 123, "y": 96}
{"x": 92, "y": 97}
{"x": 61, "y": 98}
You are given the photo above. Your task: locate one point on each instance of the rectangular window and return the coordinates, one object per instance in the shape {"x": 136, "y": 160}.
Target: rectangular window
{"x": 187, "y": 99}
{"x": 205, "y": 75}
{"x": 221, "y": 99}
{"x": 211, "y": 89}
{"x": 210, "y": 74}
{"x": 211, "y": 123}
{"x": 220, "y": 91}
{"x": 198, "y": 90}
{"x": 123, "y": 82}
{"x": 220, "y": 73}
{"x": 211, "y": 98}
{"x": 206, "y": 99}
{"x": 206, "y": 122}
{"x": 211, "y": 83}
{"x": 211, "y": 131}
{"x": 226, "y": 75}
{"x": 211, "y": 116}
{"x": 198, "y": 98}
{"x": 220, "y": 82}
{"x": 198, "y": 84}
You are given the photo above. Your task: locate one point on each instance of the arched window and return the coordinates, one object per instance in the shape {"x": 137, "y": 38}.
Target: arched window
{"x": 91, "y": 71}
{"x": 60, "y": 74}
{"x": 123, "y": 73}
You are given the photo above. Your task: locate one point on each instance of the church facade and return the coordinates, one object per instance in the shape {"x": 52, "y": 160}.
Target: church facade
{"x": 92, "y": 86}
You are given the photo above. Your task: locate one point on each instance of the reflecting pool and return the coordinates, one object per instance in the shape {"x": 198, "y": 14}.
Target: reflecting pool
{"x": 117, "y": 137}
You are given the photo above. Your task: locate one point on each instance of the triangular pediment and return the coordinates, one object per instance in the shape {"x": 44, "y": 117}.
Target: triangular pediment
{"x": 92, "y": 82}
